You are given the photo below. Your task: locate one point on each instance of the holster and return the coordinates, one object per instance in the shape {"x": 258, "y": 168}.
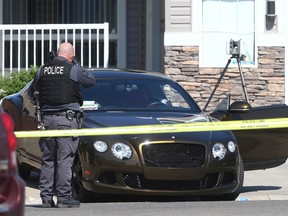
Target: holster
{"x": 79, "y": 118}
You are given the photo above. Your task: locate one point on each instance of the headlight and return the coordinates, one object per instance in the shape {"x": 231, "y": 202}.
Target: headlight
{"x": 218, "y": 151}
{"x": 121, "y": 151}
{"x": 100, "y": 146}
{"x": 231, "y": 146}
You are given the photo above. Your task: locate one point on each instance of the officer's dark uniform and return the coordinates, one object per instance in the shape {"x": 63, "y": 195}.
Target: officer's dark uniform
{"x": 58, "y": 84}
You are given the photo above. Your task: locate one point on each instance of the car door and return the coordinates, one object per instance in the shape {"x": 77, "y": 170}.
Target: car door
{"x": 22, "y": 108}
{"x": 261, "y": 148}
{"x": 28, "y": 116}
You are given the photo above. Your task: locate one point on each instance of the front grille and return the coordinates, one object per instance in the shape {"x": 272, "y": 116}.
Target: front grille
{"x": 139, "y": 182}
{"x": 174, "y": 155}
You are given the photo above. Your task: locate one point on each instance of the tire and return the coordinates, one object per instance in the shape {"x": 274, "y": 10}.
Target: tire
{"x": 78, "y": 190}
{"x": 24, "y": 171}
{"x": 230, "y": 196}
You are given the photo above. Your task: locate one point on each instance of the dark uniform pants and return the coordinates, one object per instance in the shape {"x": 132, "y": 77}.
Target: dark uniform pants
{"x": 57, "y": 159}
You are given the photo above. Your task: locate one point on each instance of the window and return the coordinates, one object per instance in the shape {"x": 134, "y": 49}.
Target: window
{"x": 137, "y": 94}
{"x": 64, "y": 12}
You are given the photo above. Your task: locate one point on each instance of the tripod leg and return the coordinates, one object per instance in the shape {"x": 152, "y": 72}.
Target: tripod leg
{"x": 242, "y": 79}
{"x": 217, "y": 84}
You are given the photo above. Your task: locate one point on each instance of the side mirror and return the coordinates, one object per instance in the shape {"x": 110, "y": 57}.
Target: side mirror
{"x": 240, "y": 106}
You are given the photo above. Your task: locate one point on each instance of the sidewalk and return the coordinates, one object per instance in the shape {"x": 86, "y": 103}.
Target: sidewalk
{"x": 270, "y": 184}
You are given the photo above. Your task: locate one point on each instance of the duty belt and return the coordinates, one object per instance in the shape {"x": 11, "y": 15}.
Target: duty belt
{"x": 70, "y": 114}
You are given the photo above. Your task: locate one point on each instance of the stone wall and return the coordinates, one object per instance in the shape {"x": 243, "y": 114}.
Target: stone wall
{"x": 264, "y": 82}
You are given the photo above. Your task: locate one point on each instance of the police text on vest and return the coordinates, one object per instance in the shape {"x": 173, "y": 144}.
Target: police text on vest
{"x": 54, "y": 70}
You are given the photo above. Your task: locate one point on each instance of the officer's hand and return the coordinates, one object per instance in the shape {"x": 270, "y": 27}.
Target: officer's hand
{"x": 76, "y": 60}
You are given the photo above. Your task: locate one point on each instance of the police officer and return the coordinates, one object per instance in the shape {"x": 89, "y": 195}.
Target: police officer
{"x": 58, "y": 83}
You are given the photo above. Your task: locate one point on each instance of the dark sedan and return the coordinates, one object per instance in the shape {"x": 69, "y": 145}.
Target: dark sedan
{"x": 12, "y": 187}
{"x": 204, "y": 164}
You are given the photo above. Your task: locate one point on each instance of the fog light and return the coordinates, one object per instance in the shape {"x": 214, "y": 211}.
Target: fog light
{"x": 231, "y": 146}
{"x": 218, "y": 151}
{"x": 100, "y": 146}
{"x": 121, "y": 151}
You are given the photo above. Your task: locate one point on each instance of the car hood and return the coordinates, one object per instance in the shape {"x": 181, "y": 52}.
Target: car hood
{"x": 114, "y": 119}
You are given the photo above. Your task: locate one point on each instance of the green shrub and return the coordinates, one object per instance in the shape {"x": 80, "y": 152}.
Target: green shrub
{"x": 16, "y": 81}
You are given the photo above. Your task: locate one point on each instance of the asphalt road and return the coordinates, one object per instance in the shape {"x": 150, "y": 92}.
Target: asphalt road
{"x": 252, "y": 208}
{"x": 265, "y": 192}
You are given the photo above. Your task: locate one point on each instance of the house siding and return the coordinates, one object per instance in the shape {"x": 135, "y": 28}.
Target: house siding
{"x": 265, "y": 83}
{"x": 178, "y": 15}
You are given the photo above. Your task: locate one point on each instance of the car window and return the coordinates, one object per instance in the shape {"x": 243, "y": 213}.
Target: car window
{"x": 117, "y": 94}
{"x": 174, "y": 97}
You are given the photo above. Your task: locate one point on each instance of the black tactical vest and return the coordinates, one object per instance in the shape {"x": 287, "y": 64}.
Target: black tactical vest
{"x": 55, "y": 85}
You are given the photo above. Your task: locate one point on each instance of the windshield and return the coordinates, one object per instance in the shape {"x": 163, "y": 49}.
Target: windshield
{"x": 148, "y": 95}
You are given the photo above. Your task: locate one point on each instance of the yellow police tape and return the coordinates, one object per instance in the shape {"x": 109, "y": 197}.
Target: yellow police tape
{"x": 168, "y": 128}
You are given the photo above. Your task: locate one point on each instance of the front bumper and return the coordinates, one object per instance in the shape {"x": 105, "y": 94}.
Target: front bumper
{"x": 136, "y": 184}
{"x": 190, "y": 171}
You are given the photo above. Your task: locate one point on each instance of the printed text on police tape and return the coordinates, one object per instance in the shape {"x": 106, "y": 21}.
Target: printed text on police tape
{"x": 152, "y": 129}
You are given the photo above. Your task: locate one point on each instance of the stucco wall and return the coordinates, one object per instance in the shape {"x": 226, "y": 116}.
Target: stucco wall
{"x": 264, "y": 82}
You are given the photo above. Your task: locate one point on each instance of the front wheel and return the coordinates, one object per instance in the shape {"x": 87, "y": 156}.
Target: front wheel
{"x": 230, "y": 196}
{"x": 24, "y": 171}
{"x": 78, "y": 190}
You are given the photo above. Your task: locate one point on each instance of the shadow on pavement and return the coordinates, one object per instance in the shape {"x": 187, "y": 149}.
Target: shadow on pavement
{"x": 259, "y": 188}
{"x": 34, "y": 205}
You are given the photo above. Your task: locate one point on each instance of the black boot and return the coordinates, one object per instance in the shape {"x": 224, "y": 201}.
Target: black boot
{"x": 48, "y": 203}
{"x": 68, "y": 203}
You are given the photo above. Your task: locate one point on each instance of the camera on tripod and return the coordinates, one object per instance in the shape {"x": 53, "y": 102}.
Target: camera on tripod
{"x": 51, "y": 55}
{"x": 234, "y": 47}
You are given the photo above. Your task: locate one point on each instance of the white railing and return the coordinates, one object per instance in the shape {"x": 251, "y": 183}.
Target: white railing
{"x": 24, "y": 45}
